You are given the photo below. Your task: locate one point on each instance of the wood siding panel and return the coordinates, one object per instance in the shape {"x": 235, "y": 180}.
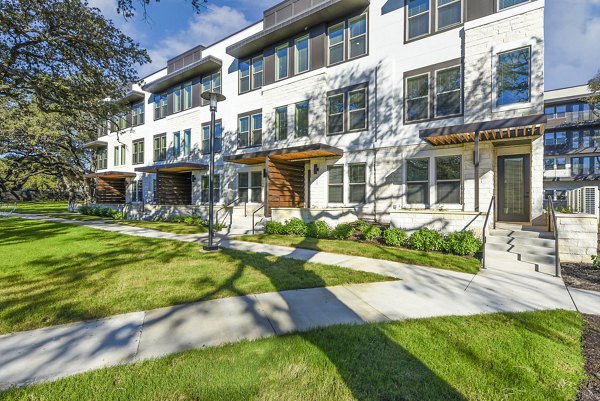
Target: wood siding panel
{"x": 110, "y": 190}
{"x": 174, "y": 188}
{"x": 285, "y": 185}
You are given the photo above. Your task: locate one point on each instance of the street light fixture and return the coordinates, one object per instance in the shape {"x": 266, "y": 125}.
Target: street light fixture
{"x": 213, "y": 98}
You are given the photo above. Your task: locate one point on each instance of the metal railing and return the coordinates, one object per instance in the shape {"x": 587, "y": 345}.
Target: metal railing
{"x": 226, "y": 206}
{"x": 485, "y": 223}
{"x": 253, "y": 214}
{"x": 553, "y": 226}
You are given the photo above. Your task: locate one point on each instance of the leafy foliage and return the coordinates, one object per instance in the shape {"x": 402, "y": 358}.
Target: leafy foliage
{"x": 395, "y": 237}
{"x": 274, "y": 228}
{"x": 462, "y": 243}
{"x": 343, "y": 231}
{"x": 296, "y": 226}
{"x": 372, "y": 233}
{"x": 594, "y": 87}
{"x": 361, "y": 225}
{"x": 319, "y": 229}
{"x": 426, "y": 239}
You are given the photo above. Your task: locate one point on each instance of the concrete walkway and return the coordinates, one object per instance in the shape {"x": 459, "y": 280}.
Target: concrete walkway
{"x": 60, "y": 351}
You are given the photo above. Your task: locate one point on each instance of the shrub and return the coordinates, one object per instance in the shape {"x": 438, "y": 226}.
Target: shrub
{"x": 462, "y": 243}
{"x": 361, "y": 225}
{"x": 189, "y": 221}
{"x": 343, "y": 231}
{"x": 372, "y": 233}
{"x": 295, "y": 226}
{"x": 395, "y": 237}
{"x": 596, "y": 262}
{"x": 274, "y": 228}
{"x": 106, "y": 212}
{"x": 117, "y": 215}
{"x": 84, "y": 209}
{"x": 319, "y": 229}
{"x": 426, "y": 240}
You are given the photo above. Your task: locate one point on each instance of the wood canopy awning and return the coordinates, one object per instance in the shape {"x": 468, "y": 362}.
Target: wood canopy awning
{"x": 287, "y": 154}
{"x": 110, "y": 174}
{"x": 182, "y": 167}
{"x": 518, "y": 127}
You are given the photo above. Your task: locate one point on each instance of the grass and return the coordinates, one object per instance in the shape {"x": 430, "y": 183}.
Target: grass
{"x": 517, "y": 356}
{"x": 53, "y": 273}
{"x": 463, "y": 264}
{"x": 176, "y": 228}
{"x": 40, "y": 207}
{"x": 76, "y": 216}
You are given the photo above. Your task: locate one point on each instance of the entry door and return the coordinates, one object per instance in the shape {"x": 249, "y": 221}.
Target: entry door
{"x": 513, "y": 188}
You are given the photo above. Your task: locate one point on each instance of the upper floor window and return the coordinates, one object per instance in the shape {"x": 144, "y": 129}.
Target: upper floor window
{"x": 176, "y": 144}
{"x": 548, "y": 164}
{"x": 514, "y": 73}
{"x": 281, "y": 62}
{"x": 357, "y": 36}
{"x": 417, "y": 98}
{"x": 502, "y": 4}
{"x": 281, "y": 124}
{"x": 357, "y": 40}
{"x": 160, "y": 147}
{"x": 251, "y": 74}
{"x": 211, "y": 83}
{"x": 119, "y": 156}
{"x": 206, "y": 137}
{"x": 417, "y": 18}
{"x": 250, "y": 130}
{"x": 177, "y": 99}
{"x": 160, "y": 106}
{"x": 301, "y": 119}
{"x": 138, "y": 152}
{"x": 301, "y": 54}
{"x": 447, "y": 92}
{"x": 335, "y": 38}
{"x": 137, "y": 114}
{"x": 347, "y": 109}
{"x": 187, "y": 96}
{"x": 449, "y": 13}
{"x": 335, "y": 114}
{"x": 101, "y": 159}
{"x": 187, "y": 142}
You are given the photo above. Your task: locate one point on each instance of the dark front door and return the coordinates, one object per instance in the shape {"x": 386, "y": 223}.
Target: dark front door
{"x": 513, "y": 188}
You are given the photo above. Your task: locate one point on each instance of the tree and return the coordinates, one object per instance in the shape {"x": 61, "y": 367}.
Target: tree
{"x": 594, "y": 87}
{"x": 128, "y": 8}
{"x": 64, "y": 54}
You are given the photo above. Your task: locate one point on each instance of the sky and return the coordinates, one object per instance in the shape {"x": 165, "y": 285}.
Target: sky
{"x": 172, "y": 27}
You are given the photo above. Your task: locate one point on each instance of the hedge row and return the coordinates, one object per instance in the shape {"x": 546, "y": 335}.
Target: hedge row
{"x": 101, "y": 212}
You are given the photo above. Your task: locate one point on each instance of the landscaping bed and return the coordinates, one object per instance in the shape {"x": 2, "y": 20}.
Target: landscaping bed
{"x": 581, "y": 275}
{"x": 590, "y": 390}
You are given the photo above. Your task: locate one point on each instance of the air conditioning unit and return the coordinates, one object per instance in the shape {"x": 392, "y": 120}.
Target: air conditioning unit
{"x": 584, "y": 200}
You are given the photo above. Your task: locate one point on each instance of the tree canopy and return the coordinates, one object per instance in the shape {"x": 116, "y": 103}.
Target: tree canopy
{"x": 128, "y": 8}
{"x": 594, "y": 87}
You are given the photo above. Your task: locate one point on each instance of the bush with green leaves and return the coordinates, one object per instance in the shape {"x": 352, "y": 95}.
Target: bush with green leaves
{"x": 319, "y": 229}
{"x": 426, "y": 239}
{"x": 343, "y": 231}
{"x": 117, "y": 215}
{"x": 190, "y": 221}
{"x": 395, "y": 237}
{"x": 274, "y": 228}
{"x": 361, "y": 225}
{"x": 462, "y": 243}
{"x": 84, "y": 209}
{"x": 296, "y": 226}
{"x": 372, "y": 233}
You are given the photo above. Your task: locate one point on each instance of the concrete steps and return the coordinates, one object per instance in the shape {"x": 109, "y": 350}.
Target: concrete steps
{"x": 239, "y": 220}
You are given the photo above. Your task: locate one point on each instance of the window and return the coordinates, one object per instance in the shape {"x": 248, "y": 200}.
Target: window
{"x": 301, "y": 119}
{"x": 177, "y": 99}
{"x": 357, "y": 109}
{"x": 160, "y": 147}
{"x": 576, "y": 166}
{"x": 560, "y": 138}
{"x": 176, "y": 144}
{"x": 160, "y": 106}
{"x": 281, "y": 62}
{"x": 513, "y": 77}
{"x": 244, "y": 76}
{"x": 549, "y": 139}
{"x": 548, "y": 164}
{"x": 561, "y": 163}
{"x": 211, "y": 83}
{"x": 418, "y": 18}
{"x": 250, "y": 186}
{"x": 357, "y": 36}
{"x": 123, "y": 155}
{"x": 550, "y": 112}
{"x": 206, "y": 86}
{"x": 447, "y": 92}
{"x": 206, "y": 137}
{"x": 335, "y": 37}
{"x": 102, "y": 159}
{"x": 575, "y": 143}
{"x": 417, "y": 98}
{"x": 257, "y": 72}
{"x": 205, "y": 188}
{"x": 251, "y": 74}
{"x": 502, "y": 4}
{"x": 347, "y": 110}
{"x": 335, "y": 114}
{"x": 447, "y": 179}
{"x": 417, "y": 181}
{"x": 561, "y": 111}
{"x": 216, "y": 82}
{"x": 449, "y": 13}
{"x": 281, "y": 125}
{"x": 119, "y": 155}
{"x": 137, "y": 191}
{"x": 187, "y": 142}
{"x": 187, "y": 96}
{"x": 336, "y": 184}
{"x": 301, "y": 56}
{"x": 137, "y": 114}
{"x": 138, "y": 152}
{"x": 358, "y": 183}
{"x": 250, "y": 131}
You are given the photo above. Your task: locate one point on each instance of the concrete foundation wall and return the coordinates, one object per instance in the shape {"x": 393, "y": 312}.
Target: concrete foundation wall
{"x": 412, "y": 220}
{"x": 332, "y": 217}
{"x": 577, "y": 237}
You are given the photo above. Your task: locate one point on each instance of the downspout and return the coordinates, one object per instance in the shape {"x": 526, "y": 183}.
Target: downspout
{"x": 375, "y": 147}
{"x": 476, "y": 164}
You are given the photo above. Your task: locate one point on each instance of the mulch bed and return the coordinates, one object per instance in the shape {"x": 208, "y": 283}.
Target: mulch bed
{"x": 590, "y": 391}
{"x": 580, "y": 275}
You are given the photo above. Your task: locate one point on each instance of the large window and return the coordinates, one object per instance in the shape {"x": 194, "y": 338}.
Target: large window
{"x": 417, "y": 98}
{"x": 357, "y": 191}
{"x": 137, "y": 191}
{"x": 187, "y": 142}
{"x": 447, "y": 92}
{"x": 160, "y": 106}
{"x": 281, "y": 123}
{"x": 137, "y": 114}
{"x": 301, "y": 119}
{"x": 513, "y": 77}
{"x": 335, "y": 37}
{"x": 418, "y": 18}
{"x": 417, "y": 181}
{"x": 244, "y": 71}
{"x": 101, "y": 159}
{"x": 211, "y": 83}
{"x": 357, "y": 109}
{"x": 502, "y": 4}
{"x": 250, "y": 186}
{"x": 176, "y": 144}
{"x": 347, "y": 110}
{"x": 257, "y": 72}
{"x": 335, "y": 114}
{"x": 160, "y": 147}
{"x": 205, "y": 188}
{"x": 561, "y": 163}
{"x": 187, "y": 96}
{"x": 281, "y": 62}
{"x": 357, "y": 40}
{"x": 449, "y": 13}
{"x": 119, "y": 155}
{"x": 177, "y": 99}
{"x": 138, "y": 152}
{"x": 251, "y": 74}
{"x": 336, "y": 184}
{"x": 357, "y": 36}
{"x": 206, "y": 137}
{"x": 548, "y": 164}
{"x": 250, "y": 130}
{"x": 448, "y": 179}
{"x": 301, "y": 56}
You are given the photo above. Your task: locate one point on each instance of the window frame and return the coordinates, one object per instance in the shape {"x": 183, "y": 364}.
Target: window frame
{"x": 205, "y": 142}
{"x": 345, "y": 94}
{"x": 205, "y": 191}
{"x": 428, "y": 97}
{"x": 459, "y": 180}
{"x": 499, "y": 9}
{"x": 342, "y": 113}
{"x": 176, "y": 144}
{"x": 437, "y": 13}
{"x": 497, "y": 53}
{"x": 252, "y": 130}
{"x": 102, "y": 159}
{"x": 251, "y": 188}
{"x": 253, "y": 85}
{"x": 366, "y": 35}
{"x": 137, "y": 155}
{"x": 137, "y": 114}
{"x": 187, "y": 96}
{"x": 420, "y": 182}
{"x": 355, "y": 184}
{"x": 342, "y": 43}
{"x": 187, "y": 142}
{"x": 285, "y": 46}
{"x": 296, "y": 119}
{"x": 337, "y": 184}
{"x": 249, "y": 76}
{"x": 281, "y": 123}
{"x": 296, "y": 54}
{"x": 176, "y": 92}
{"x": 407, "y": 22}
{"x": 159, "y": 154}
{"x": 435, "y": 92}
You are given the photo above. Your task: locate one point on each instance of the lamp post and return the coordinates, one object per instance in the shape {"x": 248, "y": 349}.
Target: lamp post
{"x": 213, "y": 98}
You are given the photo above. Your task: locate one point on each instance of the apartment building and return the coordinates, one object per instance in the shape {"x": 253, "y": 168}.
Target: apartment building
{"x": 571, "y": 142}
{"x": 415, "y": 113}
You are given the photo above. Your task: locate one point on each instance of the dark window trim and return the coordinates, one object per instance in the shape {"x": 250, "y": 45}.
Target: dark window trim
{"x": 329, "y": 168}
{"x": 133, "y": 143}
{"x": 164, "y": 134}
{"x": 248, "y": 114}
{"x": 345, "y": 21}
{"x": 207, "y": 124}
{"x": 350, "y": 184}
{"x": 251, "y": 58}
{"x": 495, "y": 76}
{"x": 345, "y": 91}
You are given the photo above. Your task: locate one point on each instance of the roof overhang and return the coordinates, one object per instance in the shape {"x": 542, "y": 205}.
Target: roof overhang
{"x": 182, "y": 167}
{"x": 203, "y": 66}
{"x": 110, "y": 174}
{"x": 326, "y": 11}
{"x": 132, "y": 97}
{"x": 518, "y": 127}
{"x": 95, "y": 145}
{"x": 287, "y": 154}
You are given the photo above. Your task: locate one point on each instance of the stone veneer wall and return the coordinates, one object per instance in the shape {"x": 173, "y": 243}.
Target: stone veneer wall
{"x": 577, "y": 237}
{"x": 332, "y": 217}
{"x": 412, "y": 220}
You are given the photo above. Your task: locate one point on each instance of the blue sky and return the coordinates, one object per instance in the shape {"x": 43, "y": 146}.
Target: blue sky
{"x": 572, "y": 32}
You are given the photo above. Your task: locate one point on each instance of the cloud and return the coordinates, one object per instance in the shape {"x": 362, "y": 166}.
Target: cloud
{"x": 572, "y": 42}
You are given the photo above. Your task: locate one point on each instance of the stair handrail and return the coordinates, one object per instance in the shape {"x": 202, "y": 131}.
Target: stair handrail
{"x": 224, "y": 207}
{"x": 553, "y": 225}
{"x": 485, "y": 223}
{"x": 254, "y": 213}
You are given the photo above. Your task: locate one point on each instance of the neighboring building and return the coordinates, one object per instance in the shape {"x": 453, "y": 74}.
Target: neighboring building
{"x": 413, "y": 112}
{"x": 572, "y": 142}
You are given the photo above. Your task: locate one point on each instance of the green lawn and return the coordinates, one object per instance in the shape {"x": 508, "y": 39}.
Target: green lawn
{"x": 52, "y": 273}
{"x": 176, "y": 228}
{"x": 464, "y": 264}
{"x": 76, "y": 216}
{"x": 520, "y": 356}
{"x": 41, "y": 207}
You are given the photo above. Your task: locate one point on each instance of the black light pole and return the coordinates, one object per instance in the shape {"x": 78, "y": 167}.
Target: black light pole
{"x": 213, "y": 98}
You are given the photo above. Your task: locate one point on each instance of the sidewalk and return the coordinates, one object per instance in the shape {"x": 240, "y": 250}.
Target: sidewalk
{"x": 55, "y": 352}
